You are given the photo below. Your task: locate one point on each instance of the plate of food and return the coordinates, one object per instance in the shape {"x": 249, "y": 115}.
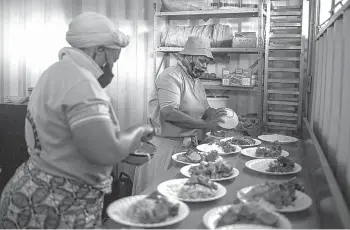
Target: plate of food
{"x": 267, "y": 151}
{"x": 280, "y": 166}
{"x": 243, "y": 226}
{"x": 286, "y": 196}
{"x": 222, "y": 147}
{"x": 215, "y": 171}
{"x": 148, "y": 211}
{"x": 194, "y": 189}
{"x": 193, "y": 156}
{"x": 243, "y": 142}
{"x": 244, "y": 214}
{"x": 278, "y": 137}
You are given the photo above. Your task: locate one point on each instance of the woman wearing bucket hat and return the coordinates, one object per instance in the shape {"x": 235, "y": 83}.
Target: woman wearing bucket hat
{"x": 178, "y": 109}
{"x": 72, "y": 134}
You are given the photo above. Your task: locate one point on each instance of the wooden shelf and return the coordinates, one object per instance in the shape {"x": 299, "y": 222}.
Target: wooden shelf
{"x": 282, "y": 125}
{"x": 284, "y": 81}
{"x": 292, "y": 7}
{"x": 231, "y": 88}
{"x": 292, "y": 70}
{"x": 227, "y": 13}
{"x": 285, "y": 36}
{"x": 286, "y": 24}
{"x": 284, "y": 59}
{"x": 285, "y": 47}
{"x": 214, "y": 50}
{"x": 288, "y": 13}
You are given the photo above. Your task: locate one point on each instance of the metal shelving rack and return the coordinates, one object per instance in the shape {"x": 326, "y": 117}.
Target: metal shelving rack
{"x": 283, "y": 85}
{"x": 259, "y": 13}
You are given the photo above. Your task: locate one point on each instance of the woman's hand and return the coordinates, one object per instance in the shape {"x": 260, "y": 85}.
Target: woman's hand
{"x": 220, "y": 112}
{"x": 213, "y": 121}
{"x": 147, "y": 132}
{"x": 215, "y": 118}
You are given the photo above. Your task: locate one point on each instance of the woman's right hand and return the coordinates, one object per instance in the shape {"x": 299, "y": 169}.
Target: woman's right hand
{"x": 214, "y": 120}
{"x": 147, "y": 132}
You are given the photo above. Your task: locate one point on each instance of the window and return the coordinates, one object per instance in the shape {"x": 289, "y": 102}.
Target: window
{"x": 338, "y": 5}
{"x": 325, "y": 7}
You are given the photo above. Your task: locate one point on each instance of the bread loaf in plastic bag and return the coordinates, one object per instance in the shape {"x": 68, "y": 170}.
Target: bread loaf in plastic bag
{"x": 176, "y": 36}
{"x": 186, "y": 5}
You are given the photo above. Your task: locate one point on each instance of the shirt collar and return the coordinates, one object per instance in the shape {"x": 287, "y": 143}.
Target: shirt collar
{"x": 81, "y": 59}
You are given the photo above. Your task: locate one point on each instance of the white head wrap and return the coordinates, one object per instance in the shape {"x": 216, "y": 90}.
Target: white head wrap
{"x": 93, "y": 29}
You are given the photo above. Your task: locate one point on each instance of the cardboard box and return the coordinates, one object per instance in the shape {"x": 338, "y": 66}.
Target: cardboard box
{"x": 239, "y": 78}
{"x": 244, "y": 40}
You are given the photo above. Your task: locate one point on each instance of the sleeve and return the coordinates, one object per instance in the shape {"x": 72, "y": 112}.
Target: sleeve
{"x": 203, "y": 95}
{"x": 206, "y": 104}
{"x": 169, "y": 91}
{"x": 85, "y": 102}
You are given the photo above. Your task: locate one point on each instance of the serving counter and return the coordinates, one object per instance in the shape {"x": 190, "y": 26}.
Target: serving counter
{"x": 307, "y": 219}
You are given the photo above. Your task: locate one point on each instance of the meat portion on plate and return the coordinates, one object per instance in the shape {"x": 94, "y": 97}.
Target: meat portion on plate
{"x": 212, "y": 170}
{"x": 194, "y": 156}
{"x": 198, "y": 187}
{"x": 223, "y": 146}
{"x": 281, "y": 164}
{"x": 242, "y": 141}
{"x": 279, "y": 194}
{"x": 155, "y": 208}
{"x": 273, "y": 150}
{"x": 248, "y": 214}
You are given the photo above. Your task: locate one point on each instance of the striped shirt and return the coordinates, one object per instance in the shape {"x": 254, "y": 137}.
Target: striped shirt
{"x": 67, "y": 94}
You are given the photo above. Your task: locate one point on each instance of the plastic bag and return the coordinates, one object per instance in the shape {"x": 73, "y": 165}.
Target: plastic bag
{"x": 176, "y": 36}
{"x": 185, "y": 5}
{"x": 121, "y": 187}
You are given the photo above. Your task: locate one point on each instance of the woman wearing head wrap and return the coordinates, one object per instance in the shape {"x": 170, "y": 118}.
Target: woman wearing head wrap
{"x": 178, "y": 109}
{"x": 72, "y": 134}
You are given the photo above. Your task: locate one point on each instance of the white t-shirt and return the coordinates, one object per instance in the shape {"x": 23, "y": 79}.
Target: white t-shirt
{"x": 175, "y": 88}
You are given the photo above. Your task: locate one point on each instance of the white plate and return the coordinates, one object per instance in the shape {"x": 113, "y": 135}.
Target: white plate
{"x": 243, "y": 226}
{"x": 250, "y": 152}
{"x": 212, "y": 147}
{"x": 174, "y": 157}
{"x": 171, "y": 188}
{"x": 118, "y": 210}
{"x": 185, "y": 171}
{"x": 211, "y": 218}
{"x": 278, "y": 137}
{"x": 257, "y": 142}
{"x": 230, "y": 120}
{"x": 302, "y": 201}
{"x": 261, "y": 165}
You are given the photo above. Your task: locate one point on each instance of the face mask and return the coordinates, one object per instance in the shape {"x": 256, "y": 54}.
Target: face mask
{"x": 197, "y": 71}
{"x": 107, "y": 76}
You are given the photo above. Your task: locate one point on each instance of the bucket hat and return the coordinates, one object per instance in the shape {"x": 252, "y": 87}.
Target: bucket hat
{"x": 197, "y": 46}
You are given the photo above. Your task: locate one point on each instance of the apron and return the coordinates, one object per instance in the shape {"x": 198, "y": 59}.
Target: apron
{"x": 171, "y": 139}
{"x": 35, "y": 199}
{"x": 161, "y": 161}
